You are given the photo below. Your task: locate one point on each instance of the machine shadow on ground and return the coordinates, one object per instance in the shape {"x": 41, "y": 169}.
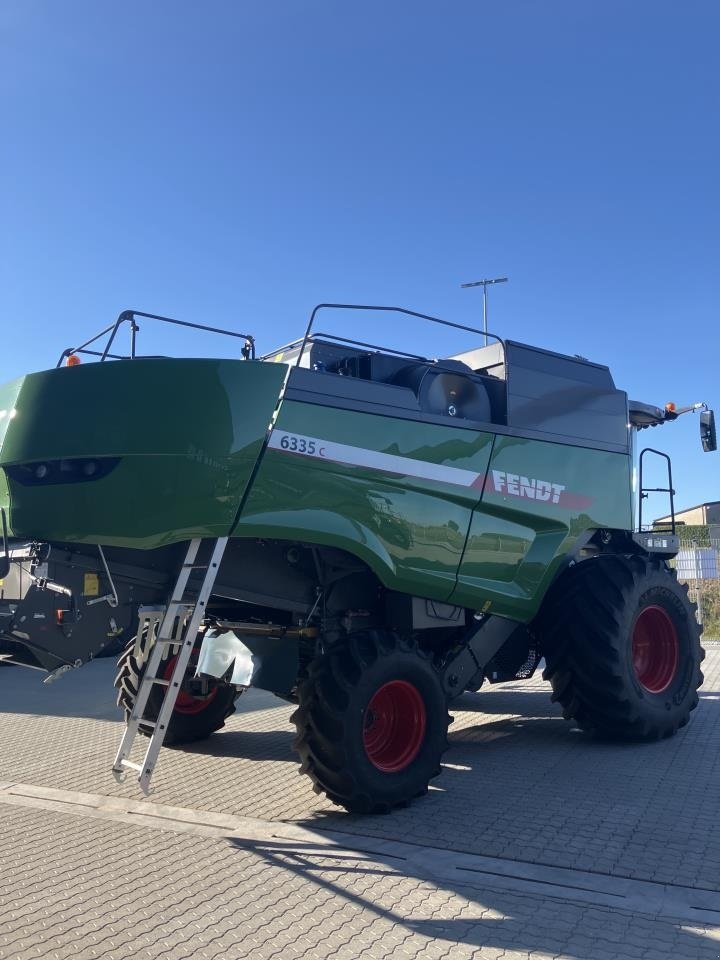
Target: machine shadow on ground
{"x": 522, "y": 718}
{"x": 487, "y": 917}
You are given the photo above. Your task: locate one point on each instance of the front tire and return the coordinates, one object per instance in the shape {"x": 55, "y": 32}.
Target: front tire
{"x": 371, "y": 722}
{"x": 622, "y": 647}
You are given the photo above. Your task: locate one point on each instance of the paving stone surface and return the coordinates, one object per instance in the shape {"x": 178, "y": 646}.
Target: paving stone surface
{"x": 518, "y": 784}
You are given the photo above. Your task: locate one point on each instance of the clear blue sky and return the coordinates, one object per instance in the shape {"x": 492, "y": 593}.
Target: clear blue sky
{"x": 237, "y": 162}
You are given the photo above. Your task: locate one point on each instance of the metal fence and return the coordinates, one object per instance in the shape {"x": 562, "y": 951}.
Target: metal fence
{"x": 698, "y": 565}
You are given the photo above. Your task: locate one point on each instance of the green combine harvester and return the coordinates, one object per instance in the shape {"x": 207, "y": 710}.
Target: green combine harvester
{"x": 364, "y": 532}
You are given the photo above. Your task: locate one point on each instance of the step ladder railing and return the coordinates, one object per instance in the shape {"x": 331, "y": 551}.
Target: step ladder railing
{"x": 170, "y": 633}
{"x": 645, "y": 491}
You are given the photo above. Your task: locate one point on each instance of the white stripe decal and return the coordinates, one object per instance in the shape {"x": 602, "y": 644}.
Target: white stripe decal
{"x": 317, "y": 449}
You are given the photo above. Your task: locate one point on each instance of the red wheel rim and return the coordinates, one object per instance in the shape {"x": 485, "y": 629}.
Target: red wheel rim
{"x": 186, "y": 702}
{"x": 655, "y": 649}
{"x": 394, "y": 726}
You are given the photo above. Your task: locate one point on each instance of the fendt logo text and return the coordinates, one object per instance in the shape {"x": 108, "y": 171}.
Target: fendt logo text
{"x": 517, "y": 486}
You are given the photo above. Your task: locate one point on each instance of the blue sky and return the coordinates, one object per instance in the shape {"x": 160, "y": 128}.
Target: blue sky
{"x": 237, "y": 162}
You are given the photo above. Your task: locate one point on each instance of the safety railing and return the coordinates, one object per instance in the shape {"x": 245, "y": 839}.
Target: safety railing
{"x": 130, "y": 317}
{"x": 309, "y": 336}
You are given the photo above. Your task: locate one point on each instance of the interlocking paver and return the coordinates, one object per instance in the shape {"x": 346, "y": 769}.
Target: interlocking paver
{"x": 518, "y": 784}
{"x": 250, "y": 904}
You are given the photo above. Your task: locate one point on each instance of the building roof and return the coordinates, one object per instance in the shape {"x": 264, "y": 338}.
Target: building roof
{"x": 699, "y": 506}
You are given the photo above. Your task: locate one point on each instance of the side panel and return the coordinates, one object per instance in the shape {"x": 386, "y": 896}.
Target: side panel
{"x": 185, "y": 435}
{"x": 9, "y": 393}
{"x": 397, "y": 493}
{"x": 566, "y": 396}
{"x": 538, "y": 499}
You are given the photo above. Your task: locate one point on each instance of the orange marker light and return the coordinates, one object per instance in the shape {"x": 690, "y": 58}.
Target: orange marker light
{"x": 671, "y": 407}
{"x": 73, "y": 360}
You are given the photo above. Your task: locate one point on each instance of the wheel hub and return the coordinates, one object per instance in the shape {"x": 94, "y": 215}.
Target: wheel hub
{"x": 655, "y": 649}
{"x": 394, "y": 726}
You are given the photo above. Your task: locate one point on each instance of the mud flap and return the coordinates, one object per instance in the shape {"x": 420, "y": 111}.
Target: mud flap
{"x": 267, "y": 663}
{"x": 223, "y": 653}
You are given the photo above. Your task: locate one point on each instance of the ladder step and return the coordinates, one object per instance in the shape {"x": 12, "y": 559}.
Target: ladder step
{"x": 145, "y": 723}
{"x": 195, "y": 566}
{"x": 131, "y": 765}
{"x": 161, "y": 683}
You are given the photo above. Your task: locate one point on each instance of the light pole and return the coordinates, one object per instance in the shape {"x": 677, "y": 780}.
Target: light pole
{"x": 484, "y": 284}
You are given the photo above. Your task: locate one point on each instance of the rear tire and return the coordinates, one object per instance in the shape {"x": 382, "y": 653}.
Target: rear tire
{"x": 622, "y": 647}
{"x": 371, "y": 723}
{"x": 194, "y": 718}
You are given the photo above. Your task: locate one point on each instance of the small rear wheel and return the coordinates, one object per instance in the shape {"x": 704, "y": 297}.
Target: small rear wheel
{"x": 371, "y": 722}
{"x": 622, "y": 647}
{"x": 198, "y": 712}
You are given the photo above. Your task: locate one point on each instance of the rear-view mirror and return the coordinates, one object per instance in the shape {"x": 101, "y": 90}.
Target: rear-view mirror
{"x": 707, "y": 431}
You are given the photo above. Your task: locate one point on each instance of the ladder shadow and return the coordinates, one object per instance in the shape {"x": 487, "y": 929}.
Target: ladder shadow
{"x": 256, "y": 745}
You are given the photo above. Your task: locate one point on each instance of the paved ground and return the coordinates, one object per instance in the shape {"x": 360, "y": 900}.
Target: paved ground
{"x": 535, "y": 842}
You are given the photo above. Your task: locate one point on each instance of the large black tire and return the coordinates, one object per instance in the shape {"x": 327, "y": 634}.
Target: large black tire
{"x": 194, "y": 718}
{"x": 371, "y": 722}
{"x": 622, "y": 647}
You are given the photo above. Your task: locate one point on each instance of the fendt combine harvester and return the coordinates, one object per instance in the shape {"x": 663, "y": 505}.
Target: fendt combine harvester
{"x": 364, "y": 532}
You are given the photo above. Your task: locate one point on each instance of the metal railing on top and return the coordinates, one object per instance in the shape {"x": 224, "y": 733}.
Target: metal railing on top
{"x": 248, "y": 351}
{"x": 129, "y": 317}
{"x": 309, "y": 336}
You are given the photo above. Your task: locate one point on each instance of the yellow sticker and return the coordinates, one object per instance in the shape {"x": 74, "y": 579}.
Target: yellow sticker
{"x": 91, "y": 585}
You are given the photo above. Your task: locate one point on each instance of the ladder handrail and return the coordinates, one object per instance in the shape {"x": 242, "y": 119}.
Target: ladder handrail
{"x": 643, "y": 491}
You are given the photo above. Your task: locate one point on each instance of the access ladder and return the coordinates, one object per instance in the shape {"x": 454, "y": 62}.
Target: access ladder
{"x": 185, "y": 604}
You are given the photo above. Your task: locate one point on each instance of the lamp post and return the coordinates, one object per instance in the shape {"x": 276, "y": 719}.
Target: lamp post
{"x": 484, "y": 284}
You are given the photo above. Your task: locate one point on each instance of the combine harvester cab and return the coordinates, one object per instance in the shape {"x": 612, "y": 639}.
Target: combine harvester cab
{"x": 365, "y": 532}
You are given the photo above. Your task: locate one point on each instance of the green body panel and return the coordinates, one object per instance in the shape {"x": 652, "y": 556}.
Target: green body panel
{"x": 188, "y": 433}
{"x": 517, "y": 541}
{"x": 472, "y": 546}
{"x": 8, "y": 412}
{"x": 438, "y": 511}
{"x": 411, "y": 531}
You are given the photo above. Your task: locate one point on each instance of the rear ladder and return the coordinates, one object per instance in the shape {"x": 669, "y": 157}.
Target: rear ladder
{"x": 183, "y": 604}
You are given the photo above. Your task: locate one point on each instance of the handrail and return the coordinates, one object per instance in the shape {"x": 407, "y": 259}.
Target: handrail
{"x": 129, "y": 316}
{"x": 408, "y": 313}
{"x": 644, "y": 491}
{"x": 81, "y": 349}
